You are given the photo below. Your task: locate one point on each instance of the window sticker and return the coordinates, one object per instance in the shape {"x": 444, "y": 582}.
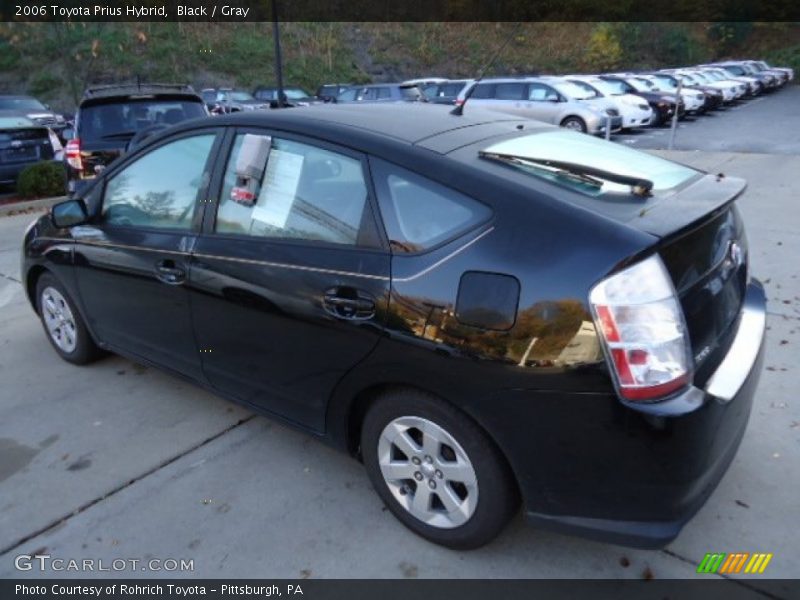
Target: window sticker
{"x": 279, "y": 189}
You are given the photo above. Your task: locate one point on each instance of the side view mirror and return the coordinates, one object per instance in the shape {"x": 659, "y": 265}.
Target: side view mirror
{"x": 69, "y": 213}
{"x": 553, "y": 99}
{"x": 68, "y": 133}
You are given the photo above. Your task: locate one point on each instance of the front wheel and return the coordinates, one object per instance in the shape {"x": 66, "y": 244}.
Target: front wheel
{"x": 63, "y": 323}
{"x": 436, "y": 470}
{"x": 575, "y": 124}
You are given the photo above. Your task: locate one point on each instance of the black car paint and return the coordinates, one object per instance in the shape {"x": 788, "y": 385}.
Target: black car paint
{"x": 583, "y": 460}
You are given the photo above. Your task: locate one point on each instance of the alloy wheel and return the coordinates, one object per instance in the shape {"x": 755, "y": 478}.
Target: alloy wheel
{"x": 428, "y": 472}
{"x": 58, "y": 319}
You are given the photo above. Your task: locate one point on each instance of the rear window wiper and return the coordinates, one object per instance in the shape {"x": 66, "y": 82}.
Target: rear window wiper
{"x": 583, "y": 173}
{"x": 119, "y": 134}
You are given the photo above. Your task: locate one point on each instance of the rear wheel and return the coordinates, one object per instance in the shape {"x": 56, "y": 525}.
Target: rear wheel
{"x": 63, "y": 324}
{"x": 575, "y": 124}
{"x": 436, "y": 470}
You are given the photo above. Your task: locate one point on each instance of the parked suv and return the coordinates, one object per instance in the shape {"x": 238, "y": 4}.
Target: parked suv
{"x": 110, "y": 117}
{"x": 538, "y": 99}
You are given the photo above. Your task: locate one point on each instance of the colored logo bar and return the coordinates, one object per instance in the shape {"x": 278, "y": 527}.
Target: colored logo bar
{"x": 736, "y": 562}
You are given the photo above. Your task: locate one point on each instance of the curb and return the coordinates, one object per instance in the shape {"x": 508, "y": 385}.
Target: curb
{"x": 28, "y": 205}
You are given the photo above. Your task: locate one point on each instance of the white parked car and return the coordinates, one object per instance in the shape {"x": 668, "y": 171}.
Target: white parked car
{"x": 634, "y": 110}
{"x": 764, "y": 65}
{"x": 730, "y": 91}
{"x": 754, "y": 86}
{"x": 693, "y": 99}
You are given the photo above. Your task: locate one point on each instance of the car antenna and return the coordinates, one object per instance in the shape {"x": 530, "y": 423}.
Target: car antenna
{"x": 459, "y": 110}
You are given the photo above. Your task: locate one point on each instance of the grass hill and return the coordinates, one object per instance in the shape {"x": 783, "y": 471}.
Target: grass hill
{"x": 55, "y": 61}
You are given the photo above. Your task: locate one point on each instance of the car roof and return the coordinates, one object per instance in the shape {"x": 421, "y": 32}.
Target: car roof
{"x": 366, "y": 127}
{"x": 510, "y": 79}
{"x": 16, "y": 96}
{"x": 384, "y": 85}
{"x": 132, "y": 89}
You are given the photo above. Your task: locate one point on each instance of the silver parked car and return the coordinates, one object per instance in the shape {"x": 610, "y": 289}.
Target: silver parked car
{"x": 540, "y": 99}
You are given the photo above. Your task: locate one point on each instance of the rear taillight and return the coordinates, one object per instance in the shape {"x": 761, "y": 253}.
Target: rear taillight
{"x": 641, "y": 324}
{"x": 73, "y": 154}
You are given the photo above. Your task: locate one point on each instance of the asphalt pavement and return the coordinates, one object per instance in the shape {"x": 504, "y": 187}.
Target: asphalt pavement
{"x": 116, "y": 460}
{"x": 768, "y": 124}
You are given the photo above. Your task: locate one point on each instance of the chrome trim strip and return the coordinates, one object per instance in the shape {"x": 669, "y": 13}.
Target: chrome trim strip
{"x": 445, "y": 259}
{"x": 734, "y": 369}
{"x": 266, "y": 263}
{"x": 126, "y": 247}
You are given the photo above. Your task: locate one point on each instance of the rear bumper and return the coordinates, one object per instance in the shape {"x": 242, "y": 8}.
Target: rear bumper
{"x": 636, "y": 474}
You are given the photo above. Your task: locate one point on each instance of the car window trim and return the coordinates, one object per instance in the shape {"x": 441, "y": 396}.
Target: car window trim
{"x": 217, "y": 181}
{"x": 202, "y": 192}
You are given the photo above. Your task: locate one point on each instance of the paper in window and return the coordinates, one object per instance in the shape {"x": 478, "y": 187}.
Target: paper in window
{"x": 279, "y": 189}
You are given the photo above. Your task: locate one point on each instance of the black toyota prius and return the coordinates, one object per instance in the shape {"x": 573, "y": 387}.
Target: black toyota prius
{"x": 486, "y": 311}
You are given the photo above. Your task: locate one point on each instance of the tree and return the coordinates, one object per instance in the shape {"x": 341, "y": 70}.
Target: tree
{"x": 604, "y": 51}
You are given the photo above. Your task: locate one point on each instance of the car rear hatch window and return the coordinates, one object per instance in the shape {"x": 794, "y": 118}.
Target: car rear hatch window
{"x": 119, "y": 121}
{"x": 564, "y": 147}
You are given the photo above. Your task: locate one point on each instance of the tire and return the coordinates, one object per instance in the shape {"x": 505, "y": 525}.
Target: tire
{"x": 575, "y": 124}
{"x": 465, "y": 472}
{"x": 63, "y": 324}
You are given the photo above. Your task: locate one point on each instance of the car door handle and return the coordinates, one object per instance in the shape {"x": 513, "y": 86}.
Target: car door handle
{"x": 167, "y": 271}
{"x": 348, "y": 303}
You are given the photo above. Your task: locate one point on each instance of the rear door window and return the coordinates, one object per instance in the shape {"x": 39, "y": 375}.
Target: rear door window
{"x": 419, "y": 213}
{"x": 284, "y": 189}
